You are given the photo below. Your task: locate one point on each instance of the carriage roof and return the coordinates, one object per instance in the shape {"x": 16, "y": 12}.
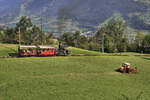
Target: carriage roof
{"x": 32, "y": 47}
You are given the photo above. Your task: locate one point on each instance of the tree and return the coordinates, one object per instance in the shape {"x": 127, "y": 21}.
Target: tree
{"x": 109, "y": 44}
{"x": 25, "y": 33}
{"x": 139, "y": 38}
{"x": 10, "y": 35}
{"x": 132, "y": 47}
{"x": 25, "y": 26}
{"x": 83, "y": 42}
{"x": 24, "y": 23}
{"x": 94, "y": 46}
{"x": 42, "y": 38}
{"x": 115, "y": 32}
{"x": 122, "y": 47}
{"x": 100, "y": 37}
{"x": 67, "y": 38}
{"x": 49, "y": 37}
{"x": 35, "y": 35}
{"x": 76, "y": 38}
{"x": 146, "y": 44}
{"x": 2, "y": 35}
{"x": 146, "y": 41}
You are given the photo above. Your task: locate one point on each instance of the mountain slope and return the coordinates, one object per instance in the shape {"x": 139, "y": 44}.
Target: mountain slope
{"x": 97, "y": 11}
{"x": 86, "y": 13}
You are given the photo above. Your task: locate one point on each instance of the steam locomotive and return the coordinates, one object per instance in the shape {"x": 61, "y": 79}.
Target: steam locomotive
{"x": 25, "y": 51}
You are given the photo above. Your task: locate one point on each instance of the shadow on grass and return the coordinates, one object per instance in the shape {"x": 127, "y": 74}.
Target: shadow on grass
{"x": 13, "y": 54}
{"x": 13, "y": 50}
{"x": 118, "y": 70}
{"x": 138, "y": 97}
{"x": 146, "y": 58}
{"x": 125, "y": 97}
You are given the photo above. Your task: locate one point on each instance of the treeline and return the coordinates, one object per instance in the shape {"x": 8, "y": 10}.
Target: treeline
{"x": 26, "y": 33}
{"x": 110, "y": 38}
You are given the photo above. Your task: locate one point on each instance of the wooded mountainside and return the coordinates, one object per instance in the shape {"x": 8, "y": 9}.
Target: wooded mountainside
{"x": 82, "y": 14}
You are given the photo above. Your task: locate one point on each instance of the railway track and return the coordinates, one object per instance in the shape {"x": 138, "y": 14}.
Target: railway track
{"x": 110, "y": 55}
{"x": 8, "y": 57}
{"x": 77, "y": 55}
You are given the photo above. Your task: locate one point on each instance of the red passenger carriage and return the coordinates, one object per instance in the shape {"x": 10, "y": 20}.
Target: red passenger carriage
{"x": 36, "y": 51}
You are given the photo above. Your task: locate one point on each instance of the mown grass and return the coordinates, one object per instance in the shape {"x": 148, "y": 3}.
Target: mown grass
{"x": 8, "y": 49}
{"x": 73, "y": 78}
{"x": 75, "y": 51}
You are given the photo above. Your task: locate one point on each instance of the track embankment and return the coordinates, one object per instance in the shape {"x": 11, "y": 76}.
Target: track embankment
{"x": 73, "y": 55}
{"x": 110, "y": 55}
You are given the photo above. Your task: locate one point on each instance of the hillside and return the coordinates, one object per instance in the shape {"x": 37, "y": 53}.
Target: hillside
{"x": 7, "y": 49}
{"x": 85, "y": 14}
{"x": 11, "y": 50}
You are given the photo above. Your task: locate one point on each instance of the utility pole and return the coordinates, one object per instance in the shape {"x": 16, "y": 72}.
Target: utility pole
{"x": 41, "y": 30}
{"x": 103, "y": 39}
{"x": 19, "y": 32}
{"x": 41, "y": 24}
{"x": 102, "y": 32}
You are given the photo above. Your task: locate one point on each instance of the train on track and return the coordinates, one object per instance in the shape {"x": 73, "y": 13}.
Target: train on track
{"x": 32, "y": 50}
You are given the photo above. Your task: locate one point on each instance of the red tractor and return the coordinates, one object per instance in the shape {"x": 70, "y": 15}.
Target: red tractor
{"x": 126, "y": 68}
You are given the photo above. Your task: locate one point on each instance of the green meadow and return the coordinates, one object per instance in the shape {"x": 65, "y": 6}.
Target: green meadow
{"x": 72, "y": 78}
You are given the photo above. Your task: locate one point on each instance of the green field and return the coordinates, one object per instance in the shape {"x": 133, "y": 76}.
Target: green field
{"x": 7, "y": 49}
{"x": 73, "y": 78}
{"x": 75, "y": 51}
{"x": 11, "y": 50}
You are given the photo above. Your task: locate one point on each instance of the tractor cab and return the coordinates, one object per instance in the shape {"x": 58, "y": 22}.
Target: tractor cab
{"x": 126, "y": 68}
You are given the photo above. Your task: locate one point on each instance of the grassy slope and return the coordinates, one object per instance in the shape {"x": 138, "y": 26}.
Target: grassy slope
{"x": 82, "y": 51}
{"x": 73, "y": 78}
{"x": 7, "y": 49}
